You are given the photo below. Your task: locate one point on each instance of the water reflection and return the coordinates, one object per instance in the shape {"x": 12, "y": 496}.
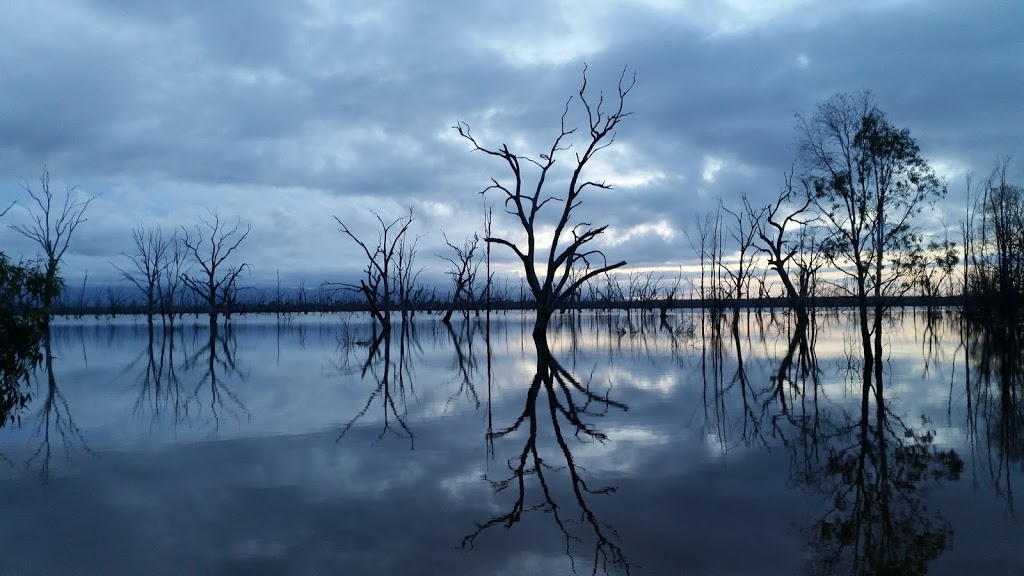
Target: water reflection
{"x": 750, "y": 436}
{"x": 873, "y": 468}
{"x": 213, "y": 365}
{"x": 160, "y": 391}
{"x": 54, "y": 420}
{"x": 394, "y": 380}
{"x": 995, "y": 403}
{"x": 178, "y": 386}
{"x": 561, "y": 398}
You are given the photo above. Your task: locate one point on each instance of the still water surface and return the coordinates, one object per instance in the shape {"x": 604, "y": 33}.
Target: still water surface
{"x": 311, "y": 445}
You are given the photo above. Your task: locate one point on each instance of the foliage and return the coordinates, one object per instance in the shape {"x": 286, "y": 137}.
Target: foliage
{"x": 869, "y": 181}
{"x": 22, "y": 326}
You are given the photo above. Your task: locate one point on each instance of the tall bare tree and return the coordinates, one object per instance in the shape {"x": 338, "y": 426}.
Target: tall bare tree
{"x": 771, "y": 222}
{"x": 381, "y": 281}
{"x": 567, "y": 263}
{"x": 148, "y": 259}
{"x": 463, "y": 271}
{"x": 209, "y": 246}
{"x": 743, "y": 233}
{"x": 995, "y": 279}
{"x": 53, "y": 224}
{"x": 170, "y": 287}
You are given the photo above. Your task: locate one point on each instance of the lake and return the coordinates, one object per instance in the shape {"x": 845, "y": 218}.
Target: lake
{"x": 621, "y": 444}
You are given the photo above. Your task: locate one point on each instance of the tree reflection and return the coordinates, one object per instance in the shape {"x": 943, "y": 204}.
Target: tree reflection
{"x": 160, "y": 390}
{"x": 566, "y": 401}
{"x": 215, "y": 361}
{"x": 874, "y": 472}
{"x": 53, "y": 417}
{"x": 995, "y": 396}
{"x": 394, "y": 380}
{"x": 465, "y": 363}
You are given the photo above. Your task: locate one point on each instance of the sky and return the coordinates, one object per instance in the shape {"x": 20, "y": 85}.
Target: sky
{"x": 284, "y": 114}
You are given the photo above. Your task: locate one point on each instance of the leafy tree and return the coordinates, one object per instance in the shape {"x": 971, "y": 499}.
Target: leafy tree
{"x": 868, "y": 181}
{"x": 22, "y": 327}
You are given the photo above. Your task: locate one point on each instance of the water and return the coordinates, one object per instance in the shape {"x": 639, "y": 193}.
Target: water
{"x": 310, "y": 446}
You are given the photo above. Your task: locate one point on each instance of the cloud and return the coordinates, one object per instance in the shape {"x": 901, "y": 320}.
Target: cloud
{"x": 284, "y": 114}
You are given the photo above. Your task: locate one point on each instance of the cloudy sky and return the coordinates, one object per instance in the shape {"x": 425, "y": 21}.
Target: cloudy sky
{"x": 284, "y": 113}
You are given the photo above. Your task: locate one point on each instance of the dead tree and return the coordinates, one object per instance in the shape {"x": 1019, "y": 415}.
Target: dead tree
{"x": 149, "y": 260}
{"x": 743, "y": 234}
{"x": 210, "y": 246}
{"x": 169, "y": 288}
{"x": 51, "y": 228}
{"x": 567, "y": 263}
{"x": 407, "y": 275}
{"x": 771, "y": 222}
{"x": 463, "y": 273}
{"x": 380, "y": 284}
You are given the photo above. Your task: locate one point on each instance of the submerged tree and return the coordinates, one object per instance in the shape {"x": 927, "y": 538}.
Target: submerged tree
{"x": 772, "y": 222}
{"x": 463, "y": 271}
{"x": 209, "y": 246}
{"x": 995, "y": 276}
{"x": 868, "y": 181}
{"x": 53, "y": 224}
{"x": 555, "y": 273}
{"x": 389, "y": 266}
{"x": 149, "y": 261}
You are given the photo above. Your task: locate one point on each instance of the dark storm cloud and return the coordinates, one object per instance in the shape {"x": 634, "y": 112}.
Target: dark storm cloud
{"x": 290, "y": 112}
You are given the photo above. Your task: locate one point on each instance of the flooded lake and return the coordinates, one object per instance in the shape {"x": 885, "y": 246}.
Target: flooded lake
{"x": 621, "y": 444}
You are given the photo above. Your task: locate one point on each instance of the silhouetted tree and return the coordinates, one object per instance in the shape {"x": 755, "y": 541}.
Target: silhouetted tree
{"x": 173, "y": 271}
{"x": 463, "y": 273}
{"x": 52, "y": 226}
{"x": 771, "y": 222}
{"x": 381, "y": 283}
{"x": 995, "y": 278}
{"x": 149, "y": 260}
{"x": 868, "y": 181}
{"x": 555, "y": 273}
{"x": 743, "y": 232}
{"x": 209, "y": 246}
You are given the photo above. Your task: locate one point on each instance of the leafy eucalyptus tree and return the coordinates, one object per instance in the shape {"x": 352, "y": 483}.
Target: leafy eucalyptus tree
{"x": 868, "y": 183}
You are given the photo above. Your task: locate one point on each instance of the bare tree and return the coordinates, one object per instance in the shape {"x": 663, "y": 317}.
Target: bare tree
{"x": 463, "y": 271}
{"x": 52, "y": 226}
{"x": 743, "y": 233}
{"x": 209, "y": 246}
{"x": 149, "y": 260}
{"x": 170, "y": 287}
{"x": 380, "y": 284}
{"x": 996, "y": 248}
{"x": 771, "y": 223}
{"x": 408, "y": 275}
{"x": 569, "y": 263}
